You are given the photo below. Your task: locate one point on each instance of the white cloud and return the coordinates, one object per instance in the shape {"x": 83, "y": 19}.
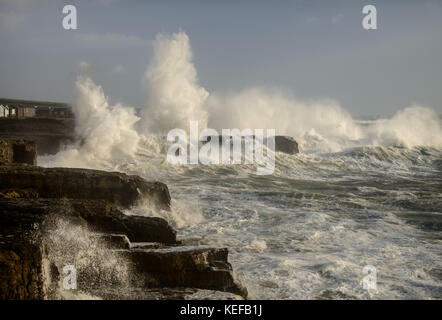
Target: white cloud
{"x": 83, "y": 65}
{"x": 110, "y": 40}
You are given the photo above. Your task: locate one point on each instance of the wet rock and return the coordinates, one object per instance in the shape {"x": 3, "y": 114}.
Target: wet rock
{"x": 286, "y": 144}
{"x": 18, "y": 152}
{"x": 20, "y": 270}
{"x": 156, "y": 269}
{"x": 283, "y": 144}
{"x": 149, "y": 229}
{"x": 146, "y": 245}
{"x": 198, "y": 267}
{"x": 113, "y": 241}
{"x": 117, "y": 188}
{"x": 20, "y": 216}
{"x": 33, "y": 199}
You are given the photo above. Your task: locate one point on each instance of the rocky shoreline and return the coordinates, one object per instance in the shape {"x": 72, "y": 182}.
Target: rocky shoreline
{"x": 53, "y": 217}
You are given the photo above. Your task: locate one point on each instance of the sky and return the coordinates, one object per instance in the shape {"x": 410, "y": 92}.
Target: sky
{"x": 313, "y": 49}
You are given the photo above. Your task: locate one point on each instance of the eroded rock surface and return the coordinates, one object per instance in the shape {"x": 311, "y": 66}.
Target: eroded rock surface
{"x": 18, "y": 152}
{"x": 286, "y": 144}
{"x": 186, "y": 266}
{"x": 114, "y": 187}
{"x": 19, "y": 216}
{"x": 20, "y": 269}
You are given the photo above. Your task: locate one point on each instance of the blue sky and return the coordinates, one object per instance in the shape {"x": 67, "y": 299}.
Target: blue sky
{"x": 315, "y": 49}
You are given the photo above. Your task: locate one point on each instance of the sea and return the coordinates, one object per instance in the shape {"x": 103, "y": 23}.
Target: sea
{"x": 356, "y": 214}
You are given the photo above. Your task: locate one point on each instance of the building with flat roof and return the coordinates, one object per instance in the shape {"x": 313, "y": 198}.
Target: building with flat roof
{"x": 16, "y": 108}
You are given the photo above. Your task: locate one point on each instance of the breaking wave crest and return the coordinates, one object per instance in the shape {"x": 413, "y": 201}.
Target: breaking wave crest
{"x": 111, "y": 133}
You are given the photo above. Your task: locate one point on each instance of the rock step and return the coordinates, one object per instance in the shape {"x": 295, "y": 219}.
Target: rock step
{"x": 185, "y": 266}
{"x": 113, "y": 241}
{"x": 146, "y": 245}
{"x": 21, "y": 215}
{"x": 117, "y": 188}
{"x": 121, "y": 241}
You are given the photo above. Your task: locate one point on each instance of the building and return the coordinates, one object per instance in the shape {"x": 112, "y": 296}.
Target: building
{"x": 43, "y": 111}
{"x": 25, "y": 111}
{"x": 5, "y": 111}
{"x": 54, "y": 112}
{"x": 62, "y": 112}
{"x": 12, "y": 112}
{"x": 14, "y": 108}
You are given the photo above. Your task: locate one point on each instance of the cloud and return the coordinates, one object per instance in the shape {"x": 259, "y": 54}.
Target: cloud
{"x": 83, "y": 65}
{"x": 110, "y": 40}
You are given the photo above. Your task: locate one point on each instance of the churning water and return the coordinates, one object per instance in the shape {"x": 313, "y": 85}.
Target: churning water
{"x": 361, "y": 192}
{"x": 308, "y": 230}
